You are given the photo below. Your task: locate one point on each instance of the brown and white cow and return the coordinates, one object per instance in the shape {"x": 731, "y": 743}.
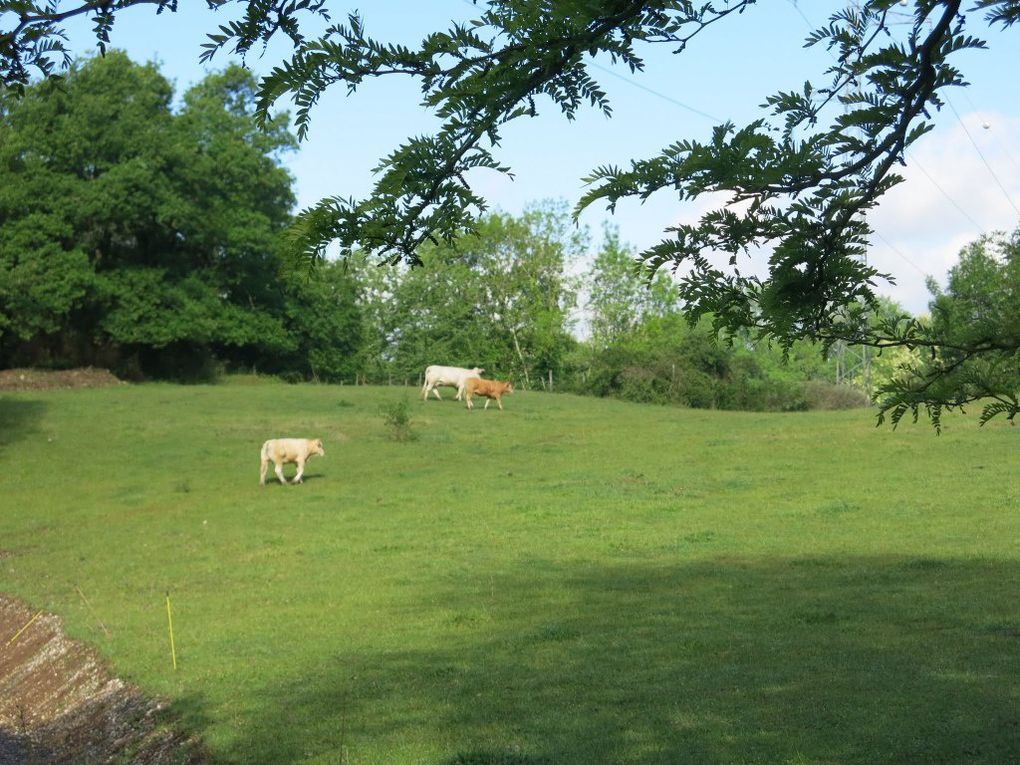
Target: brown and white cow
{"x": 491, "y": 389}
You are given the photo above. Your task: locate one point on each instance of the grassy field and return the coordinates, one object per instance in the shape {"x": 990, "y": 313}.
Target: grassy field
{"x": 573, "y": 580}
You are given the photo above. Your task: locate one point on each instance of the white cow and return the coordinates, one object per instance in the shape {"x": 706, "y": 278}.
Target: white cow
{"x": 283, "y": 450}
{"x": 455, "y": 376}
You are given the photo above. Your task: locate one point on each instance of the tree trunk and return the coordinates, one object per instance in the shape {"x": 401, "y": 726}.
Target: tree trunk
{"x": 520, "y": 356}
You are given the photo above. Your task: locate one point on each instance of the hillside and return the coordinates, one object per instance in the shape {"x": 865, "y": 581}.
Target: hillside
{"x": 572, "y": 580}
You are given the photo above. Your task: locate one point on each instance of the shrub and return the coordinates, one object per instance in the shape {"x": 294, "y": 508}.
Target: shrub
{"x": 397, "y": 417}
{"x": 823, "y": 395}
{"x": 291, "y": 377}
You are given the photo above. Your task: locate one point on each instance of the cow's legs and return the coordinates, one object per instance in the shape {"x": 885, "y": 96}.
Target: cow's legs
{"x": 279, "y": 473}
{"x": 435, "y": 389}
{"x": 262, "y": 471}
{"x": 300, "y": 471}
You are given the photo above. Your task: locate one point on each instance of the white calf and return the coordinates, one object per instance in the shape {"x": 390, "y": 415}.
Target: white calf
{"x": 455, "y": 376}
{"x": 283, "y": 450}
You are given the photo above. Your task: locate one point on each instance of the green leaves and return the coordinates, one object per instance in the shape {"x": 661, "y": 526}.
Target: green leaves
{"x": 797, "y": 184}
{"x": 124, "y": 226}
{"x": 33, "y": 40}
{"x": 41, "y": 282}
{"x": 972, "y": 343}
{"x": 498, "y": 299}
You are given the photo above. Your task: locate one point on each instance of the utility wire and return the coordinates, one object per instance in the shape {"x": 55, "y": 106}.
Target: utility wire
{"x": 981, "y": 154}
{"x": 952, "y": 201}
{"x": 887, "y": 243}
{"x": 904, "y": 257}
{"x": 878, "y": 235}
{"x": 663, "y": 96}
{"x": 806, "y": 19}
{"x": 638, "y": 85}
{"x": 913, "y": 160}
{"x": 998, "y": 139}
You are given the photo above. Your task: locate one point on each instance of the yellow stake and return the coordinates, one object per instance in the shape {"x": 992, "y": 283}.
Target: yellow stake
{"x": 170, "y": 621}
{"x": 22, "y": 629}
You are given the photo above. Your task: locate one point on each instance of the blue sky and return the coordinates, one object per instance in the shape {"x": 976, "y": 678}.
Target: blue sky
{"x": 963, "y": 179}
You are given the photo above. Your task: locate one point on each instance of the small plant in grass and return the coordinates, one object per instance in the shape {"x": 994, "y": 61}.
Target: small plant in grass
{"x": 397, "y": 417}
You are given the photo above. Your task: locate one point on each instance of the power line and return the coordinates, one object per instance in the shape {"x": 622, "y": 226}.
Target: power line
{"x": 663, "y": 96}
{"x": 952, "y": 201}
{"x": 981, "y": 154}
{"x": 998, "y": 140}
{"x": 806, "y": 19}
{"x": 913, "y": 160}
{"x": 902, "y": 256}
{"x": 638, "y": 85}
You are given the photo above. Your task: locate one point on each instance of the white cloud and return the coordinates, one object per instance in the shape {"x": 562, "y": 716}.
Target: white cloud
{"x": 950, "y": 197}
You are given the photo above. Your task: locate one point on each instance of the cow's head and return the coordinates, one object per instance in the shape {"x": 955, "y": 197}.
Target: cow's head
{"x": 317, "y": 447}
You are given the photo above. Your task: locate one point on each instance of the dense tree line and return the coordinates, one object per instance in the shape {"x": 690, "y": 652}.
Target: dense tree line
{"x": 510, "y": 298}
{"x": 804, "y": 174}
{"x": 150, "y": 238}
{"x": 147, "y": 238}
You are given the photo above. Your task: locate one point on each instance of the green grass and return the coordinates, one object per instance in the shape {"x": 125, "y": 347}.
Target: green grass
{"x": 569, "y": 581}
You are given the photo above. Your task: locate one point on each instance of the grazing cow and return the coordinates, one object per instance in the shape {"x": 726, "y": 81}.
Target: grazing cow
{"x": 456, "y": 376}
{"x": 491, "y": 389}
{"x": 283, "y": 450}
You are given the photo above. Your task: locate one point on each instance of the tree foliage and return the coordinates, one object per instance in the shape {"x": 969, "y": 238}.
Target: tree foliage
{"x": 621, "y": 296}
{"x": 977, "y": 317}
{"x": 500, "y": 298}
{"x": 322, "y": 318}
{"x": 642, "y": 348}
{"x": 798, "y": 182}
{"x": 149, "y": 240}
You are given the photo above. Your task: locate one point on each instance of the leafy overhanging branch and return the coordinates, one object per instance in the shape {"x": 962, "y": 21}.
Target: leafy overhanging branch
{"x": 476, "y": 85}
{"x": 805, "y": 197}
{"x": 796, "y": 193}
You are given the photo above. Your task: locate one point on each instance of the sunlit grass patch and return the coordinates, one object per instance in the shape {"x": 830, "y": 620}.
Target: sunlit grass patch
{"x": 572, "y": 581}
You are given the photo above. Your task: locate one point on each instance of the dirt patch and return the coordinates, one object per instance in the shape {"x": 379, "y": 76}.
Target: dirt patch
{"x": 45, "y": 379}
{"x": 58, "y": 703}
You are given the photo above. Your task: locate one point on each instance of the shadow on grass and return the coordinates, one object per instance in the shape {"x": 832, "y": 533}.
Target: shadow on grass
{"x": 823, "y": 660}
{"x": 272, "y": 480}
{"x": 19, "y": 419}
{"x": 13, "y": 747}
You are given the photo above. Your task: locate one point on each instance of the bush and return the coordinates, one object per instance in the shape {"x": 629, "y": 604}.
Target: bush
{"x": 187, "y": 363}
{"x": 823, "y": 395}
{"x": 291, "y": 377}
{"x": 397, "y": 417}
